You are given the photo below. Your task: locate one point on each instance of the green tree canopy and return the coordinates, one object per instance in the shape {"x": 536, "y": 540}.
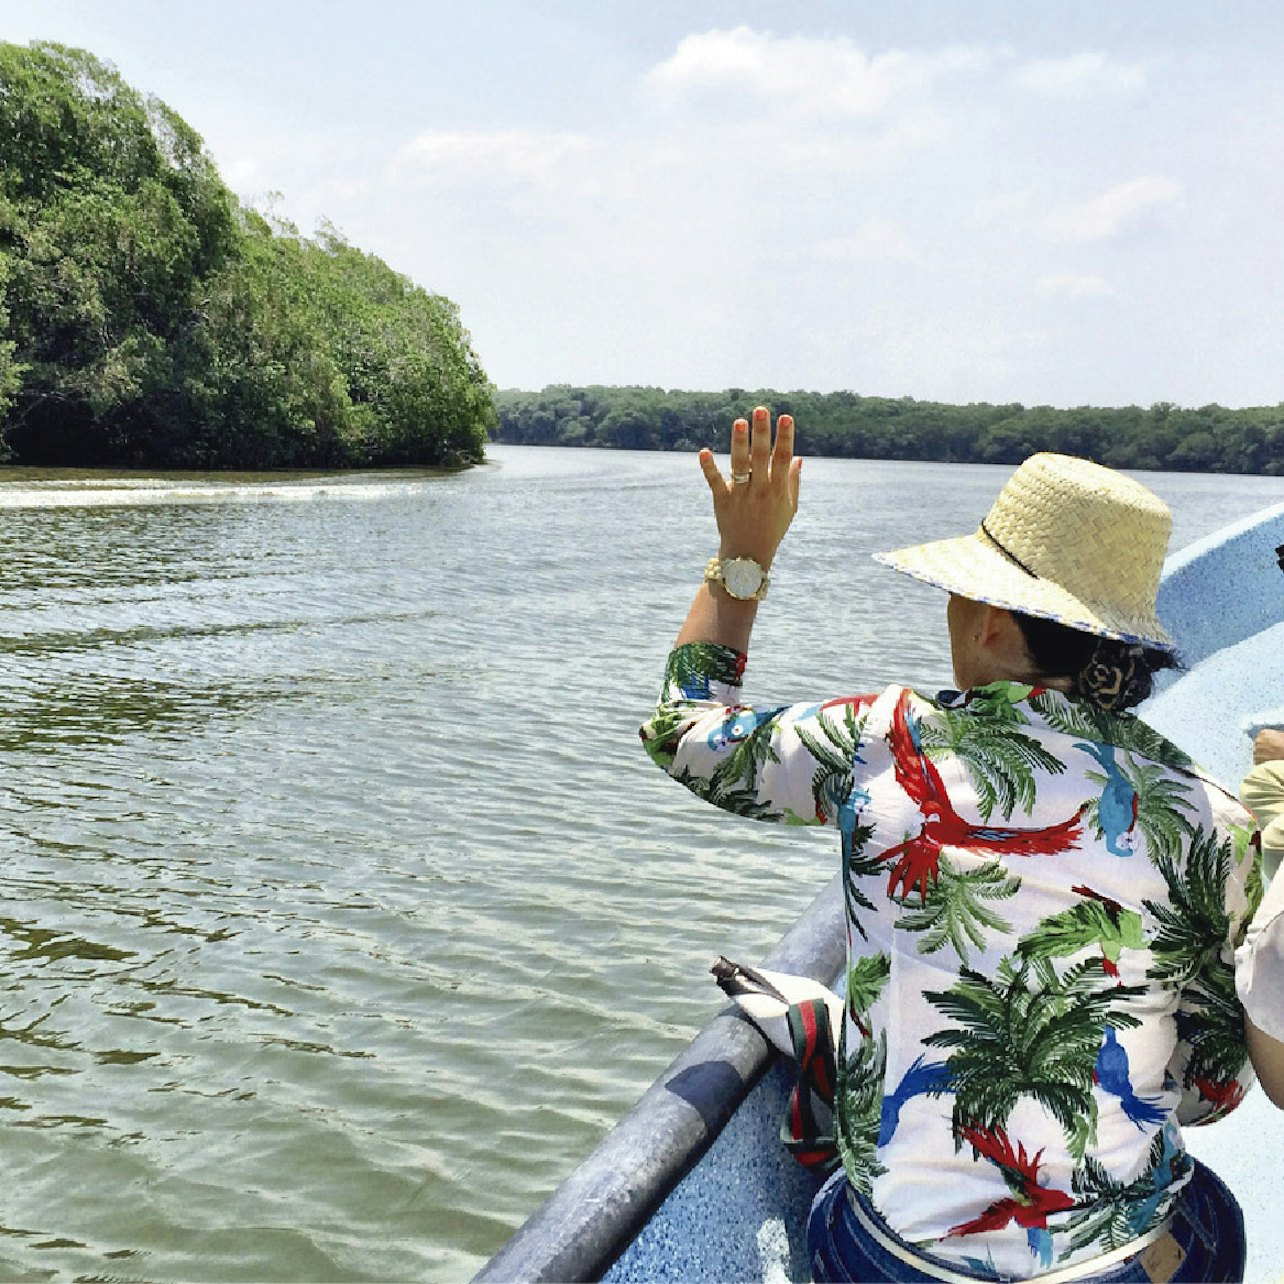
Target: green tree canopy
{"x": 147, "y": 318}
{"x": 1210, "y": 438}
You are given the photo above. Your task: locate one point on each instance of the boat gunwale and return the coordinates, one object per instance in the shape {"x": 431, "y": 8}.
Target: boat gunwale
{"x": 602, "y": 1205}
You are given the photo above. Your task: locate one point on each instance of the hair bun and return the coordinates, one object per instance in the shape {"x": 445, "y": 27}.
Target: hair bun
{"x": 1116, "y": 677}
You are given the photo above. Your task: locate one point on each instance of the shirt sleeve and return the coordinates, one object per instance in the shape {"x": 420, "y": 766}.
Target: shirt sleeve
{"x": 1222, "y": 888}
{"x": 790, "y": 763}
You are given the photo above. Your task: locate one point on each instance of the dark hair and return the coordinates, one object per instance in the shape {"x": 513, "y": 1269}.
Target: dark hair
{"x": 1114, "y": 675}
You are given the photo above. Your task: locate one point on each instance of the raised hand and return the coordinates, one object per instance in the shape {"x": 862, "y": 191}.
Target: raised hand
{"x": 755, "y": 505}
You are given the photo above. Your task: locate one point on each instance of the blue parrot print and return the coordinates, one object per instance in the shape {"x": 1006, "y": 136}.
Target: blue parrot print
{"x": 1172, "y": 1161}
{"x": 740, "y": 726}
{"x": 918, "y": 1080}
{"x": 1117, "y": 810}
{"x": 1111, "y": 1074}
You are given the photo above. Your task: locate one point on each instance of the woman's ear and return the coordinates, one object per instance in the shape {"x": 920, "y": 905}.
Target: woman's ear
{"x": 994, "y": 625}
{"x": 1000, "y": 637}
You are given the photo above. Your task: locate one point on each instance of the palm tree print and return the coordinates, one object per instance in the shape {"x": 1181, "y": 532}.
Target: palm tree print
{"x": 693, "y": 668}
{"x": 1111, "y": 1213}
{"x": 859, "y": 1110}
{"x": 1022, "y": 1040}
{"x": 857, "y": 864}
{"x": 1194, "y": 923}
{"x": 1163, "y": 807}
{"x": 1002, "y": 762}
{"x": 866, "y": 978}
{"x": 954, "y": 913}
{"x": 836, "y": 752}
{"x": 1085, "y": 721}
{"x": 731, "y": 795}
{"x": 1211, "y": 1021}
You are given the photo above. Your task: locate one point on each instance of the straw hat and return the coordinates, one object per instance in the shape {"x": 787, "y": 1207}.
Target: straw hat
{"x": 1066, "y": 540}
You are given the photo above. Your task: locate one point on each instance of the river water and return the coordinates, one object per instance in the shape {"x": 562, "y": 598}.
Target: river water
{"x": 341, "y": 911}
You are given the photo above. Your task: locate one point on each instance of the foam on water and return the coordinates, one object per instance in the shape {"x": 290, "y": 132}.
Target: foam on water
{"x": 118, "y": 492}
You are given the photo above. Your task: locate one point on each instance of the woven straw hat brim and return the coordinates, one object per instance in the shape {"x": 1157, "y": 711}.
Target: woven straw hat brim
{"x": 972, "y": 567}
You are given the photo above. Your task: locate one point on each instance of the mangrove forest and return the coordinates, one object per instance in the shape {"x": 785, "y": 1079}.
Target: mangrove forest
{"x": 148, "y": 318}
{"x": 1161, "y": 436}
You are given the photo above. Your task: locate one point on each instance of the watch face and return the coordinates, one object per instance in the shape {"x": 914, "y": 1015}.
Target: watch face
{"x": 742, "y": 577}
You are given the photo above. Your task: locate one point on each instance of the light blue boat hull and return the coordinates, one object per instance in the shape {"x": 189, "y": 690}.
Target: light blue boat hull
{"x": 694, "y": 1184}
{"x": 746, "y": 1170}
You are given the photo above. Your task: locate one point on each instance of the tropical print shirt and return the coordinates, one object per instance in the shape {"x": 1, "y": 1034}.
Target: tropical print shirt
{"x": 1042, "y": 903}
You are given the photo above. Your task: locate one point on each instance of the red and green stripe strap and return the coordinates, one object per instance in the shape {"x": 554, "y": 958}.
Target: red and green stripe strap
{"x": 808, "y": 1128}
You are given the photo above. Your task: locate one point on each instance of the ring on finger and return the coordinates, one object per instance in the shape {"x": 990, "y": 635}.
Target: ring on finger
{"x": 739, "y": 479}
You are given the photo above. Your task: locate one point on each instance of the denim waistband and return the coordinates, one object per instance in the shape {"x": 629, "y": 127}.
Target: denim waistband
{"x": 887, "y": 1239}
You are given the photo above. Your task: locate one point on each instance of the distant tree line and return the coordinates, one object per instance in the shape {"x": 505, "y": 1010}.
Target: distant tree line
{"x": 146, "y": 317}
{"x": 1161, "y": 436}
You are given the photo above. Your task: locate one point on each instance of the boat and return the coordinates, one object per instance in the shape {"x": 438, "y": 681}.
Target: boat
{"x": 694, "y": 1183}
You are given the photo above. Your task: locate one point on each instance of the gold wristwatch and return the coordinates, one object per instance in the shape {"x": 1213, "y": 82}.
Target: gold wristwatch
{"x": 741, "y": 577}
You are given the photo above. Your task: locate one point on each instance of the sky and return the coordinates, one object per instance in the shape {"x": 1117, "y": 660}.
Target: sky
{"x": 960, "y": 200}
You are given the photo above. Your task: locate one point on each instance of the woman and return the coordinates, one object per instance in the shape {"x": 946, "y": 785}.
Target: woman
{"x": 1042, "y": 895}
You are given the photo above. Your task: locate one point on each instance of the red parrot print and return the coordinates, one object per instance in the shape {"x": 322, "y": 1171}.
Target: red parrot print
{"x": 919, "y": 856}
{"x": 1224, "y": 1096}
{"x": 1029, "y": 1204}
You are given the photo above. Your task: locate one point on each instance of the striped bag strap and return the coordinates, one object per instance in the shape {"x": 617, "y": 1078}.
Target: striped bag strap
{"x": 808, "y": 1127}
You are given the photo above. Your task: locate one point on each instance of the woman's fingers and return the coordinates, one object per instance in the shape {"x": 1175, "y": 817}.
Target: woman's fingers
{"x": 753, "y": 453}
{"x": 712, "y": 474}
{"x": 783, "y": 454}
{"x": 740, "y": 451}
{"x": 760, "y": 443}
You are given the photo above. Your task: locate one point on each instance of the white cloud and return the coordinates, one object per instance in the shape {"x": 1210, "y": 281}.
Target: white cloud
{"x": 1072, "y": 285}
{"x": 804, "y": 75}
{"x": 962, "y": 353}
{"x": 1082, "y": 76}
{"x": 1002, "y": 210}
{"x": 515, "y": 154}
{"x": 1105, "y": 216}
{"x": 876, "y": 240}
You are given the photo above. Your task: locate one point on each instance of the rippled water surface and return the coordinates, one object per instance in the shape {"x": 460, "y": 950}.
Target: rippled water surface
{"x": 341, "y": 911}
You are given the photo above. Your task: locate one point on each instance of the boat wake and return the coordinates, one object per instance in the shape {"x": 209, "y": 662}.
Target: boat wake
{"x": 155, "y": 491}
